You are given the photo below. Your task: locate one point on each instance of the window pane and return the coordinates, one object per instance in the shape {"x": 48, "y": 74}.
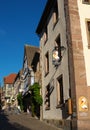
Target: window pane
{"x": 47, "y": 97}
{"x": 88, "y": 33}
{"x": 60, "y": 91}
{"x": 46, "y": 63}
{"x": 86, "y": 1}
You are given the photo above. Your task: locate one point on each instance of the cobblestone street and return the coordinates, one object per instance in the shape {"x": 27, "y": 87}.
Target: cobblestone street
{"x": 23, "y": 121}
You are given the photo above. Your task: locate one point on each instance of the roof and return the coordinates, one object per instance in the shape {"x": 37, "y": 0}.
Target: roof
{"x": 30, "y": 52}
{"x": 10, "y": 78}
{"x": 45, "y": 15}
{"x": 18, "y": 75}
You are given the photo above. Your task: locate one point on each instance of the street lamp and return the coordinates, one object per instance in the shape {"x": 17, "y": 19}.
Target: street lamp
{"x": 57, "y": 54}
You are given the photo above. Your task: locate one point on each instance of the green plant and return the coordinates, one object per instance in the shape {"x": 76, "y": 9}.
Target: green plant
{"x": 20, "y": 100}
{"x": 36, "y": 98}
{"x": 32, "y": 109}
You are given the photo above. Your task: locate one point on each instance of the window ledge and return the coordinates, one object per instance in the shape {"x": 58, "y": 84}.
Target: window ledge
{"x": 88, "y": 3}
{"x": 59, "y": 106}
{"x": 47, "y": 108}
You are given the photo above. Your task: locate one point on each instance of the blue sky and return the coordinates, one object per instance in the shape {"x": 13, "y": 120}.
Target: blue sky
{"x": 18, "y": 22}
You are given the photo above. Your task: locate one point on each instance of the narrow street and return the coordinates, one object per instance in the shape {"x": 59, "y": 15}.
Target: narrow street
{"x": 12, "y": 121}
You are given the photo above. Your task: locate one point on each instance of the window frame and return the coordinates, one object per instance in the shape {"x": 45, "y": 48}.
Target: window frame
{"x": 88, "y": 32}
{"x": 46, "y": 63}
{"x": 85, "y": 2}
{"x": 45, "y": 34}
{"x": 58, "y": 44}
{"x": 59, "y": 89}
{"x": 55, "y": 14}
{"x": 47, "y": 97}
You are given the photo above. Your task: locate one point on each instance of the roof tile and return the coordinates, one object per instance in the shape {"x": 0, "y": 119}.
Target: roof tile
{"x": 10, "y": 78}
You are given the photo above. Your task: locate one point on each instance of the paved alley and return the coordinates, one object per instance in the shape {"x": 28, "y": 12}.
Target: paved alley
{"x": 10, "y": 121}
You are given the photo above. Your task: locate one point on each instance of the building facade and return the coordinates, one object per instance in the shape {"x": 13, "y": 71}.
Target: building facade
{"x": 55, "y": 73}
{"x": 28, "y": 73}
{"x": 3, "y": 98}
{"x": 9, "y": 87}
{"x": 0, "y": 98}
{"x": 18, "y": 87}
{"x": 31, "y": 72}
{"x": 64, "y": 31}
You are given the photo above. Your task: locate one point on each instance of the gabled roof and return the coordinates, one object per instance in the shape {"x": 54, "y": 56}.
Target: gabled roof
{"x": 18, "y": 76}
{"x": 30, "y": 52}
{"x": 10, "y": 78}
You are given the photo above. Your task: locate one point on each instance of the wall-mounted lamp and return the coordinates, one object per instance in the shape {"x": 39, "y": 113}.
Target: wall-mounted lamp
{"x": 57, "y": 55}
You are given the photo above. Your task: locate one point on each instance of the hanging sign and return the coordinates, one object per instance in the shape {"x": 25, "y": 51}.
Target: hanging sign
{"x": 83, "y": 104}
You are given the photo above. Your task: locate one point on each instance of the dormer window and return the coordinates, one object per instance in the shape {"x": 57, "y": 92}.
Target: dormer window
{"x": 86, "y": 1}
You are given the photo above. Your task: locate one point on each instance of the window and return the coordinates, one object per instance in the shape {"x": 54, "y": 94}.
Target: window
{"x": 88, "y": 32}
{"x": 55, "y": 14}
{"x": 9, "y": 93}
{"x": 59, "y": 86}
{"x": 45, "y": 35}
{"x": 47, "y": 97}
{"x": 56, "y": 53}
{"x": 9, "y": 86}
{"x": 86, "y": 1}
{"x": 58, "y": 45}
{"x": 47, "y": 63}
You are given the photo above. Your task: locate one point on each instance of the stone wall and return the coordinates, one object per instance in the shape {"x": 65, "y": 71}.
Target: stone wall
{"x": 76, "y": 61}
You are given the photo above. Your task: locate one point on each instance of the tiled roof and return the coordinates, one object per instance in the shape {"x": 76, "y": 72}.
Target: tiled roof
{"x": 10, "y": 78}
{"x": 30, "y": 52}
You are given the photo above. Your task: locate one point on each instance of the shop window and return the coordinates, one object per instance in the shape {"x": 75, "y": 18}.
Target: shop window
{"x": 88, "y": 32}
{"x": 46, "y": 63}
{"x": 86, "y": 1}
{"x": 55, "y": 14}
{"x": 47, "y": 97}
{"x": 59, "y": 87}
